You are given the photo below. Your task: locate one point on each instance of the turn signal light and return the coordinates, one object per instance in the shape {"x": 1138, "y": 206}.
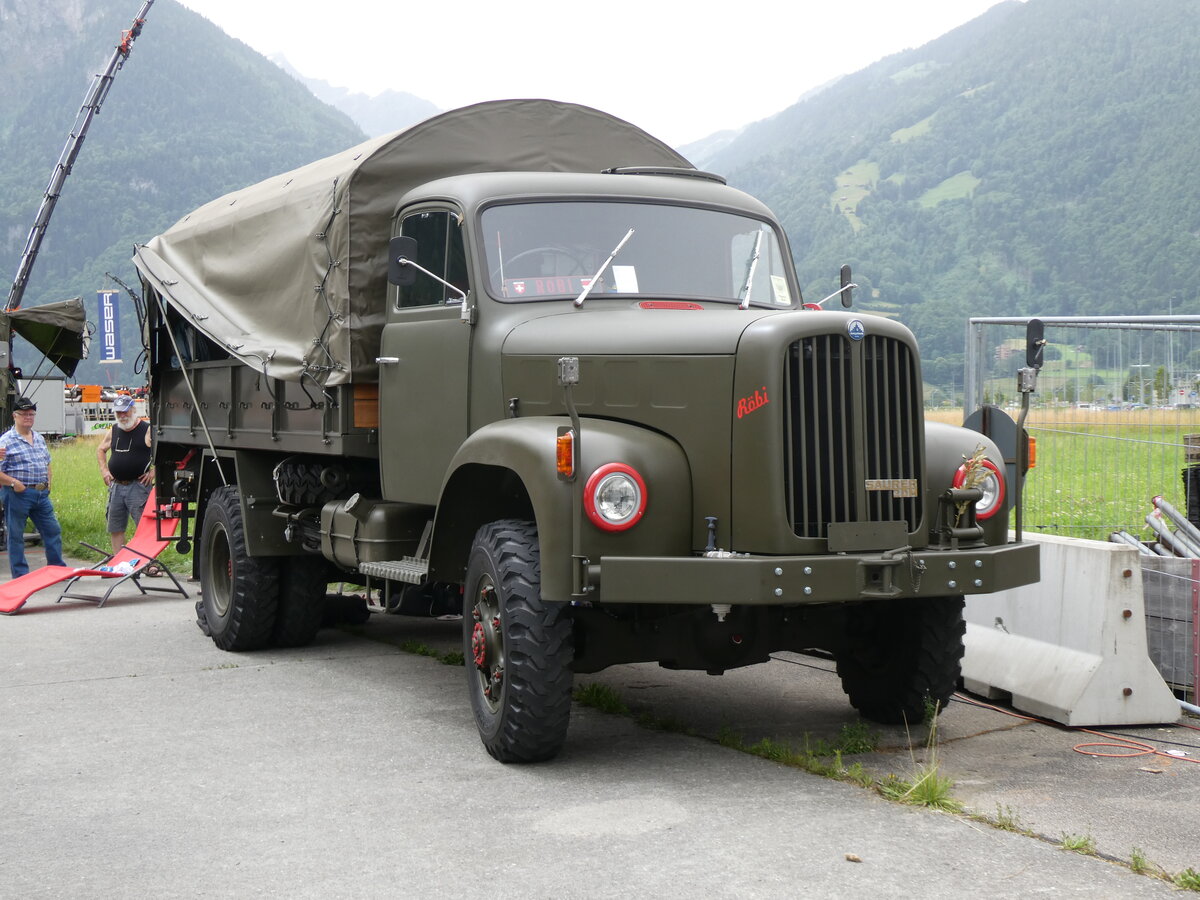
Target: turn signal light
{"x": 1032, "y": 454}
{"x": 564, "y": 454}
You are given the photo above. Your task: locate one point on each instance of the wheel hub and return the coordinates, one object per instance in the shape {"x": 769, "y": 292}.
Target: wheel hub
{"x": 479, "y": 646}
{"x": 487, "y": 643}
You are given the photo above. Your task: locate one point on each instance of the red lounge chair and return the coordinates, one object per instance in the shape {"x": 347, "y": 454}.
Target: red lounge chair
{"x": 130, "y": 562}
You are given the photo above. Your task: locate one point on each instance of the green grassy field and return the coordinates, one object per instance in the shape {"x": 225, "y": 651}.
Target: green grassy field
{"x": 1097, "y": 470}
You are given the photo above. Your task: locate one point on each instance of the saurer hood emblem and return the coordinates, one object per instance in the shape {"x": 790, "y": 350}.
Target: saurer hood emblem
{"x": 900, "y": 487}
{"x": 856, "y": 329}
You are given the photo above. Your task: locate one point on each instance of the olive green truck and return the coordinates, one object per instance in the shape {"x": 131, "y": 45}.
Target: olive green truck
{"x": 524, "y": 362}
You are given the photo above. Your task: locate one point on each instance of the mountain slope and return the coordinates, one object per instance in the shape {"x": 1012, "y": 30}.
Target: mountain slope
{"x": 192, "y": 115}
{"x": 1036, "y": 160}
{"x": 376, "y": 115}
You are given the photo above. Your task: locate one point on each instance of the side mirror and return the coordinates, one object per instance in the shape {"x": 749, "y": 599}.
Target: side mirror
{"x": 402, "y": 248}
{"x": 1035, "y": 343}
{"x": 847, "y": 286}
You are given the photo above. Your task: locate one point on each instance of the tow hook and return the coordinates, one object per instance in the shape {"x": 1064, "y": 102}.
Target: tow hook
{"x": 878, "y": 573}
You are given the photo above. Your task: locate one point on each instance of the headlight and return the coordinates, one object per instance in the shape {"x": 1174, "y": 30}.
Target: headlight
{"x": 991, "y": 482}
{"x": 614, "y": 497}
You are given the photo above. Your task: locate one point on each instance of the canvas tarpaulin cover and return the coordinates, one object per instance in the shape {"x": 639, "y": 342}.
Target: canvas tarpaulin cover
{"x": 290, "y": 275}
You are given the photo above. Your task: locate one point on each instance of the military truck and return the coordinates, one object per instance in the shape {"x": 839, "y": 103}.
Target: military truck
{"x": 524, "y": 362}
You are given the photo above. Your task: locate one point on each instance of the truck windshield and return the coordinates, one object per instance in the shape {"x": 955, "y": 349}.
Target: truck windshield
{"x": 551, "y": 250}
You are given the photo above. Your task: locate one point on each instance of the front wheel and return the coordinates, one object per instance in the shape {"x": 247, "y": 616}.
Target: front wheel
{"x": 518, "y": 649}
{"x": 239, "y": 593}
{"x": 901, "y": 660}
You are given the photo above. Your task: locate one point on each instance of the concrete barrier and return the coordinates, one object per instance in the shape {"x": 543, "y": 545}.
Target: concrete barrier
{"x": 1071, "y": 648}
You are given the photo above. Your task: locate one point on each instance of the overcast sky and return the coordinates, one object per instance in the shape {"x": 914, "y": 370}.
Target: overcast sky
{"x": 669, "y": 68}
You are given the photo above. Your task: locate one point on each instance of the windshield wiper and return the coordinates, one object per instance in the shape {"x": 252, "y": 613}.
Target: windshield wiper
{"x": 617, "y": 249}
{"x": 745, "y": 304}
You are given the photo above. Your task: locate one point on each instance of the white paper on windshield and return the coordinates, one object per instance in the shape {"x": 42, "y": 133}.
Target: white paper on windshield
{"x": 779, "y": 288}
{"x": 625, "y": 278}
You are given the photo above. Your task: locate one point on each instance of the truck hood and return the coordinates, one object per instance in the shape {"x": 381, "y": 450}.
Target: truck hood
{"x": 636, "y": 332}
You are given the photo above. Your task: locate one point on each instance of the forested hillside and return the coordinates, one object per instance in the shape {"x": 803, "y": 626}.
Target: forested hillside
{"x": 192, "y": 115}
{"x": 1037, "y": 160}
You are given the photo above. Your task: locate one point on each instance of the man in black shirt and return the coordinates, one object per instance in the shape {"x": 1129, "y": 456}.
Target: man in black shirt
{"x": 128, "y": 472}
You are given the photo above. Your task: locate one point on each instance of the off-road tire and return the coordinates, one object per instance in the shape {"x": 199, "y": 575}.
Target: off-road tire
{"x": 315, "y": 482}
{"x": 902, "y": 659}
{"x": 302, "y": 583}
{"x": 508, "y": 631}
{"x": 240, "y": 593}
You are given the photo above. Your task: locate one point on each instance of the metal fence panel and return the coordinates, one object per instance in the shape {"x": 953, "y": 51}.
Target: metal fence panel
{"x": 1116, "y": 417}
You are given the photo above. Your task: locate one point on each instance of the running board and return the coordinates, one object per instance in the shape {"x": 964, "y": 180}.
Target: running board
{"x": 410, "y": 569}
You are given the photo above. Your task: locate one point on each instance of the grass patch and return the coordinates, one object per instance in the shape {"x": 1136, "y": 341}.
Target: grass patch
{"x": 818, "y": 757}
{"x": 904, "y": 135}
{"x": 927, "y": 787}
{"x": 449, "y": 658}
{"x": 851, "y": 186}
{"x": 919, "y": 70}
{"x": 955, "y": 187}
{"x": 601, "y": 697}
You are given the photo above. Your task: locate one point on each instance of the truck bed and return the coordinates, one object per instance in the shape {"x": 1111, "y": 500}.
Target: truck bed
{"x": 267, "y": 414}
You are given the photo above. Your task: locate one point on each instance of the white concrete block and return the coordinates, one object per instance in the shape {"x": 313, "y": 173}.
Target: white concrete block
{"x": 1071, "y": 648}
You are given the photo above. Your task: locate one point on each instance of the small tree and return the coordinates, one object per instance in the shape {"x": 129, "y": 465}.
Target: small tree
{"x": 1162, "y": 390}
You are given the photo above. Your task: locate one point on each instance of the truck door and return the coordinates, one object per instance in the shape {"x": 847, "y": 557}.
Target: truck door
{"x": 424, "y": 360}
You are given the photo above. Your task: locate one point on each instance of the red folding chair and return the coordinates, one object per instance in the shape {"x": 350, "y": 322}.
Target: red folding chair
{"x": 133, "y": 559}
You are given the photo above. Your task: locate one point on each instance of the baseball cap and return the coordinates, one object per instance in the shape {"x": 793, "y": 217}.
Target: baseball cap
{"x": 123, "y": 403}
{"x": 25, "y": 403}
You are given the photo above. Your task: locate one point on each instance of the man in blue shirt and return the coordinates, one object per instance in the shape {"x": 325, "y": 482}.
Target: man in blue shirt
{"x": 25, "y": 489}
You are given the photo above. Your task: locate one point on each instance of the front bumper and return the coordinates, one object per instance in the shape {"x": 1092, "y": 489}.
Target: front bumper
{"x": 836, "y": 578}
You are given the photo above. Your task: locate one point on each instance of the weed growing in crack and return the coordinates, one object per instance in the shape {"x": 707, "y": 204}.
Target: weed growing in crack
{"x": 601, "y": 697}
{"x": 1083, "y": 844}
{"x": 1138, "y": 864}
{"x": 1007, "y": 819}
{"x": 927, "y": 786}
{"x": 1188, "y": 879}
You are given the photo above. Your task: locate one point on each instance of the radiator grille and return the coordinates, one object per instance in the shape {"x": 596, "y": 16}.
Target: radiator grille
{"x": 853, "y": 412}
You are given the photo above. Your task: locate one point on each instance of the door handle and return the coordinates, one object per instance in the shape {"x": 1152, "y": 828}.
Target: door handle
{"x": 387, "y": 360}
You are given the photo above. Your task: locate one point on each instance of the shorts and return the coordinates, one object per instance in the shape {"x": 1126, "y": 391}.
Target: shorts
{"x": 126, "y": 501}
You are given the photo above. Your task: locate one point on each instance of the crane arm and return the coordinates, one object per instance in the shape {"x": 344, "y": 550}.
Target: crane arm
{"x": 91, "y": 107}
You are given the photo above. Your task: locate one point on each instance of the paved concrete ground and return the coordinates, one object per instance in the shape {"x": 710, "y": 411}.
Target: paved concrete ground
{"x": 142, "y": 761}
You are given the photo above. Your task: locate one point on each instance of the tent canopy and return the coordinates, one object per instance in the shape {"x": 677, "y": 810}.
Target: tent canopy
{"x": 59, "y": 330}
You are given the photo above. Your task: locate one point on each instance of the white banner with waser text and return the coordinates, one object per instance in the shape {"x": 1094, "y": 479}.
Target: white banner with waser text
{"x": 110, "y": 326}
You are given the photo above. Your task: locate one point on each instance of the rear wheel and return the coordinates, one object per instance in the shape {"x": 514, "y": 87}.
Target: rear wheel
{"x": 239, "y": 593}
{"x": 518, "y": 649}
{"x": 302, "y": 582}
{"x": 902, "y": 659}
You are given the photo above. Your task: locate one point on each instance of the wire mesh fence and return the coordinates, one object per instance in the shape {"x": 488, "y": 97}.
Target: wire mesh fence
{"x": 1116, "y": 417}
